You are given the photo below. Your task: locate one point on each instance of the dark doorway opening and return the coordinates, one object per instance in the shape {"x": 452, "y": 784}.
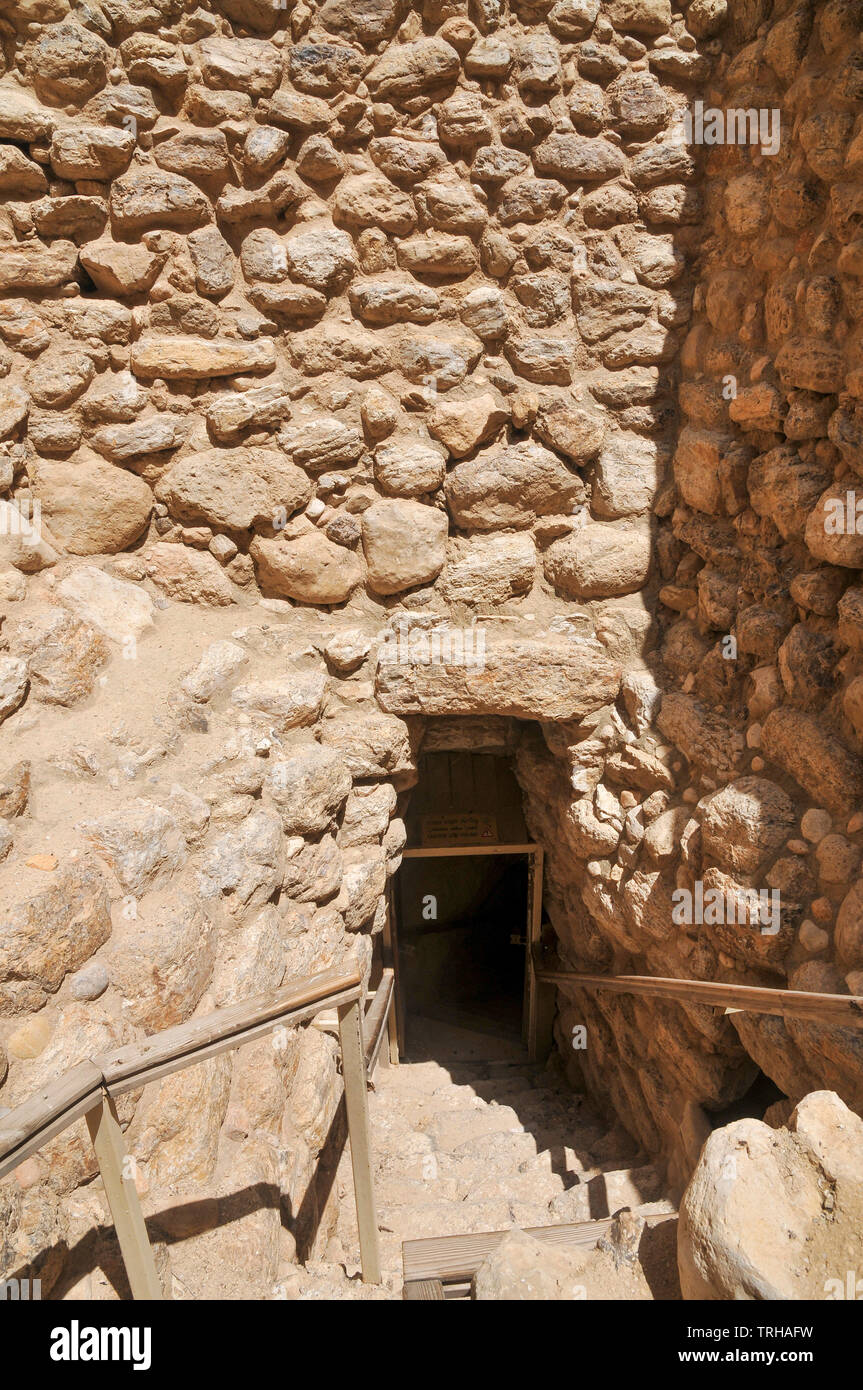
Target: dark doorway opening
{"x": 462, "y": 945}
{"x": 762, "y": 1094}
{"x": 466, "y": 907}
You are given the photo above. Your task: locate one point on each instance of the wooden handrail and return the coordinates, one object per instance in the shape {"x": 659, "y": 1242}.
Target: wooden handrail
{"x": 51, "y": 1110}
{"x": 375, "y": 1021}
{"x": 90, "y": 1089}
{"x": 377, "y": 1011}
{"x": 126, "y": 1068}
{"x": 46, "y": 1113}
{"x": 837, "y": 1010}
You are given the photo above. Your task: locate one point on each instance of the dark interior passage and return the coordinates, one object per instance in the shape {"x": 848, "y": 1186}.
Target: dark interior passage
{"x": 462, "y": 918}
{"x": 462, "y": 926}
{"x": 759, "y": 1097}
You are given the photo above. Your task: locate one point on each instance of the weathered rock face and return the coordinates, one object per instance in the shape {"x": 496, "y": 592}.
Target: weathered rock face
{"x": 599, "y": 561}
{"x": 52, "y": 928}
{"x": 143, "y": 845}
{"x": 404, "y": 545}
{"x": 233, "y": 488}
{"x": 488, "y": 568}
{"x": 90, "y": 506}
{"x": 520, "y": 1269}
{"x": 307, "y": 567}
{"x": 359, "y": 366}
{"x": 523, "y": 1269}
{"x": 754, "y": 1223}
{"x": 746, "y": 823}
{"x": 510, "y": 489}
{"x": 163, "y": 959}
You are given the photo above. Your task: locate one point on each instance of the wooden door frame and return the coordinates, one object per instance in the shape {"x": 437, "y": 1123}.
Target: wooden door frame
{"x": 539, "y": 1002}
{"x": 395, "y": 1021}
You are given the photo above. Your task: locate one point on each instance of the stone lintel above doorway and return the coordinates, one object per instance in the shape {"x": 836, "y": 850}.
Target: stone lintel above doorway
{"x": 549, "y": 676}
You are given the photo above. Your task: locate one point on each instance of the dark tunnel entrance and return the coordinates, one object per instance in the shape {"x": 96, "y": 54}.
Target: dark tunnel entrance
{"x": 462, "y": 943}
{"x": 467, "y": 902}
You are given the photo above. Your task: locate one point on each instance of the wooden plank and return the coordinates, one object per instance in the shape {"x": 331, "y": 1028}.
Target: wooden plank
{"x": 463, "y": 790}
{"x": 530, "y": 986}
{"x": 157, "y": 1070}
{"x": 126, "y": 1068}
{"x": 835, "y": 1010}
{"x": 46, "y": 1113}
{"x": 375, "y": 1021}
{"x": 117, "y": 1176}
{"x": 423, "y": 1291}
{"x": 485, "y": 769}
{"x": 327, "y": 1021}
{"x": 546, "y": 1003}
{"x": 446, "y": 734}
{"x": 357, "y": 1106}
{"x": 540, "y": 997}
{"x": 455, "y": 1259}
{"x": 435, "y": 788}
{"x": 508, "y": 801}
{"x": 391, "y": 958}
{"x": 399, "y": 889}
{"x": 450, "y": 851}
{"x": 456, "y": 1293}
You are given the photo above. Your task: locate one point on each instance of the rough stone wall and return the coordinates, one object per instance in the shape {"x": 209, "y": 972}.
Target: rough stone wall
{"x": 329, "y": 330}
{"x": 758, "y": 662}
{"x": 779, "y": 309}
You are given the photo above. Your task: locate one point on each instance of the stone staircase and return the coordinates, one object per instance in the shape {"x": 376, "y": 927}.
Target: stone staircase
{"x": 469, "y": 1146}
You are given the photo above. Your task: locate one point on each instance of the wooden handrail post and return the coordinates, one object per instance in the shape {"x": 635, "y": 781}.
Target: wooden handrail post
{"x": 540, "y": 998}
{"x": 356, "y": 1103}
{"x": 123, "y": 1200}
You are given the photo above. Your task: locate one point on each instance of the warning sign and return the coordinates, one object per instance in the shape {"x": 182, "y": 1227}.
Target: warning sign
{"x": 465, "y": 828}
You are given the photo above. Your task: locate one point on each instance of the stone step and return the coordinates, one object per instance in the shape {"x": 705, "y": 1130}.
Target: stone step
{"x": 533, "y": 1187}
{"x": 422, "y": 1076}
{"x": 562, "y": 1160}
{"x": 445, "y": 1218}
{"x": 513, "y": 1149}
{"x": 399, "y": 1135}
{"x": 449, "y": 1131}
{"x": 315, "y": 1282}
{"x": 402, "y": 1192}
{"x": 424, "y": 1167}
{"x": 474, "y": 1147}
{"x": 572, "y": 1136}
{"x": 607, "y": 1193}
{"x": 504, "y": 1087}
{"x": 405, "y": 1088}
{"x": 615, "y": 1144}
{"x": 546, "y": 1115}
{"x": 464, "y": 1170}
{"x": 466, "y": 1073}
{"x": 530, "y": 1099}
{"x": 414, "y": 1105}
